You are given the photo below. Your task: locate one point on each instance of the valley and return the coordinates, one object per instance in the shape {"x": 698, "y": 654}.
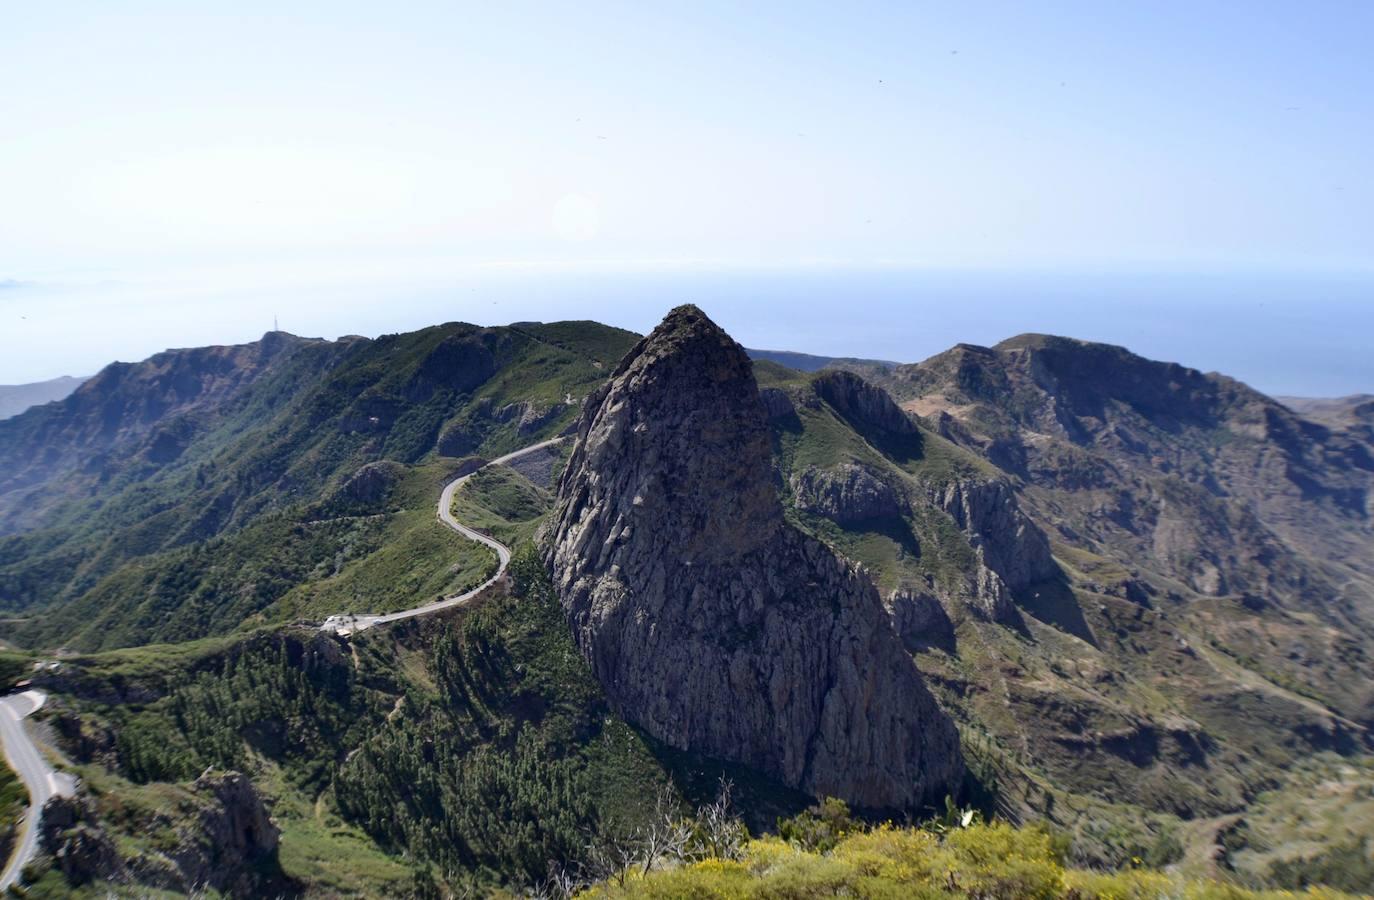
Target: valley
{"x": 1058, "y": 584}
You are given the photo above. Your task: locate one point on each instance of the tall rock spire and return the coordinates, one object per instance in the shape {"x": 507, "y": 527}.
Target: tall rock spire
{"x": 712, "y": 623}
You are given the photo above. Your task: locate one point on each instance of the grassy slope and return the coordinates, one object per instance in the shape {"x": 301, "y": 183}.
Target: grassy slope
{"x": 475, "y": 743}
{"x": 909, "y": 550}
{"x": 503, "y": 503}
{"x": 514, "y": 729}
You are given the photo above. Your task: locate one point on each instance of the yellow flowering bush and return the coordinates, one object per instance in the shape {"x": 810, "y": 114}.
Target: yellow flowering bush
{"x": 981, "y": 862}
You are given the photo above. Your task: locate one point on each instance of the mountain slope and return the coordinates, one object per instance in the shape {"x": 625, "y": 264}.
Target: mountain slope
{"x": 809, "y": 362}
{"x": 1207, "y": 632}
{"x": 1355, "y": 411}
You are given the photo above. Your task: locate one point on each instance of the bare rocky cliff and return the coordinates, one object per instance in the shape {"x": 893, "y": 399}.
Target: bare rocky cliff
{"x": 712, "y": 623}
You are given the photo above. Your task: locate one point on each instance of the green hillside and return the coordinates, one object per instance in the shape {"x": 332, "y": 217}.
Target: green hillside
{"x": 269, "y": 510}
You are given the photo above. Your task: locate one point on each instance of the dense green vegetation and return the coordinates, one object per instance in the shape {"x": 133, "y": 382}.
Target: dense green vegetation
{"x": 476, "y": 742}
{"x": 14, "y": 667}
{"x": 418, "y": 560}
{"x": 509, "y": 757}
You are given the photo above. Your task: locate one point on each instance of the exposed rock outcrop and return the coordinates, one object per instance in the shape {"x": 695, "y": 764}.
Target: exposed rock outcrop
{"x": 372, "y": 483}
{"x": 220, "y": 837}
{"x": 709, "y": 621}
{"x": 238, "y": 832}
{"x": 847, "y": 493}
{"x": 919, "y": 619}
{"x": 1006, "y": 540}
{"x": 81, "y": 850}
{"x": 459, "y": 439}
{"x": 862, "y": 403}
{"x": 776, "y": 403}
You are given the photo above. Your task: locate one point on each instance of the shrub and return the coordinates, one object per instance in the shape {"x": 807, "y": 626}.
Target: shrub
{"x": 819, "y": 828}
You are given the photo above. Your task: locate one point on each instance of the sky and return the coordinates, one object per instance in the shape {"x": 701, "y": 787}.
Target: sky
{"x": 1191, "y": 180}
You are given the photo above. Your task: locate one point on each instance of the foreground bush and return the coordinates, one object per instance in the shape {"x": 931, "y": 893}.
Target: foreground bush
{"x": 989, "y": 862}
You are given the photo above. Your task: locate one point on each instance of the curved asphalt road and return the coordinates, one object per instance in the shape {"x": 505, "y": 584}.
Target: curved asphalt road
{"x": 40, "y": 779}
{"x": 351, "y": 623}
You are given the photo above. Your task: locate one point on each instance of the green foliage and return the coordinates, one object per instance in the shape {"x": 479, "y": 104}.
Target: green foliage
{"x": 13, "y": 800}
{"x": 206, "y": 540}
{"x": 1166, "y": 849}
{"x": 501, "y": 769}
{"x": 419, "y": 560}
{"x": 476, "y": 741}
{"x": 502, "y": 502}
{"x": 819, "y": 828}
{"x": 989, "y": 862}
{"x": 1347, "y": 866}
{"x": 211, "y": 587}
{"x": 14, "y": 667}
{"x": 285, "y": 697}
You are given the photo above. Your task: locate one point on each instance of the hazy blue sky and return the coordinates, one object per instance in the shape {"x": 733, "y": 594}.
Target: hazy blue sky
{"x": 1148, "y": 173}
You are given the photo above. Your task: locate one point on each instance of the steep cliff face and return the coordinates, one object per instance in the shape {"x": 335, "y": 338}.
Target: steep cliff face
{"x": 1012, "y": 553}
{"x": 846, "y": 493}
{"x": 863, "y": 404}
{"x": 1196, "y": 473}
{"x": 712, "y": 623}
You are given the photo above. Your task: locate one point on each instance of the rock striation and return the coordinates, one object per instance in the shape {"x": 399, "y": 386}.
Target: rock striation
{"x": 709, "y": 621}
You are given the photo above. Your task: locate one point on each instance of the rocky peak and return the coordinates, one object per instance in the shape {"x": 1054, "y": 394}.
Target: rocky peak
{"x": 709, "y": 621}
{"x": 683, "y": 413}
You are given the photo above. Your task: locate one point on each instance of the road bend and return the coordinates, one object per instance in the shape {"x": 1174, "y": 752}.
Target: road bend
{"x": 33, "y": 770}
{"x": 352, "y": 623}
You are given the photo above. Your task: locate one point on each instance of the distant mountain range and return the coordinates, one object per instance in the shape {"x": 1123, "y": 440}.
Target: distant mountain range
{"x": 15, "y": 398}
{"x": 807, "y": 362}
{"x": 1338, "y": 412}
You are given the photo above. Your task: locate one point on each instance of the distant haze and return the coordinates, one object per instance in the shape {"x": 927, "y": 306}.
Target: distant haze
{"x": 1282, "y": 333}
{"x": 15, "y": 398}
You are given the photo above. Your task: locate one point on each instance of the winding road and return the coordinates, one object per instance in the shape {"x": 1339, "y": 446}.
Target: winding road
{"x": 38, "y": 777}
{"x": 351, "y": 623}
